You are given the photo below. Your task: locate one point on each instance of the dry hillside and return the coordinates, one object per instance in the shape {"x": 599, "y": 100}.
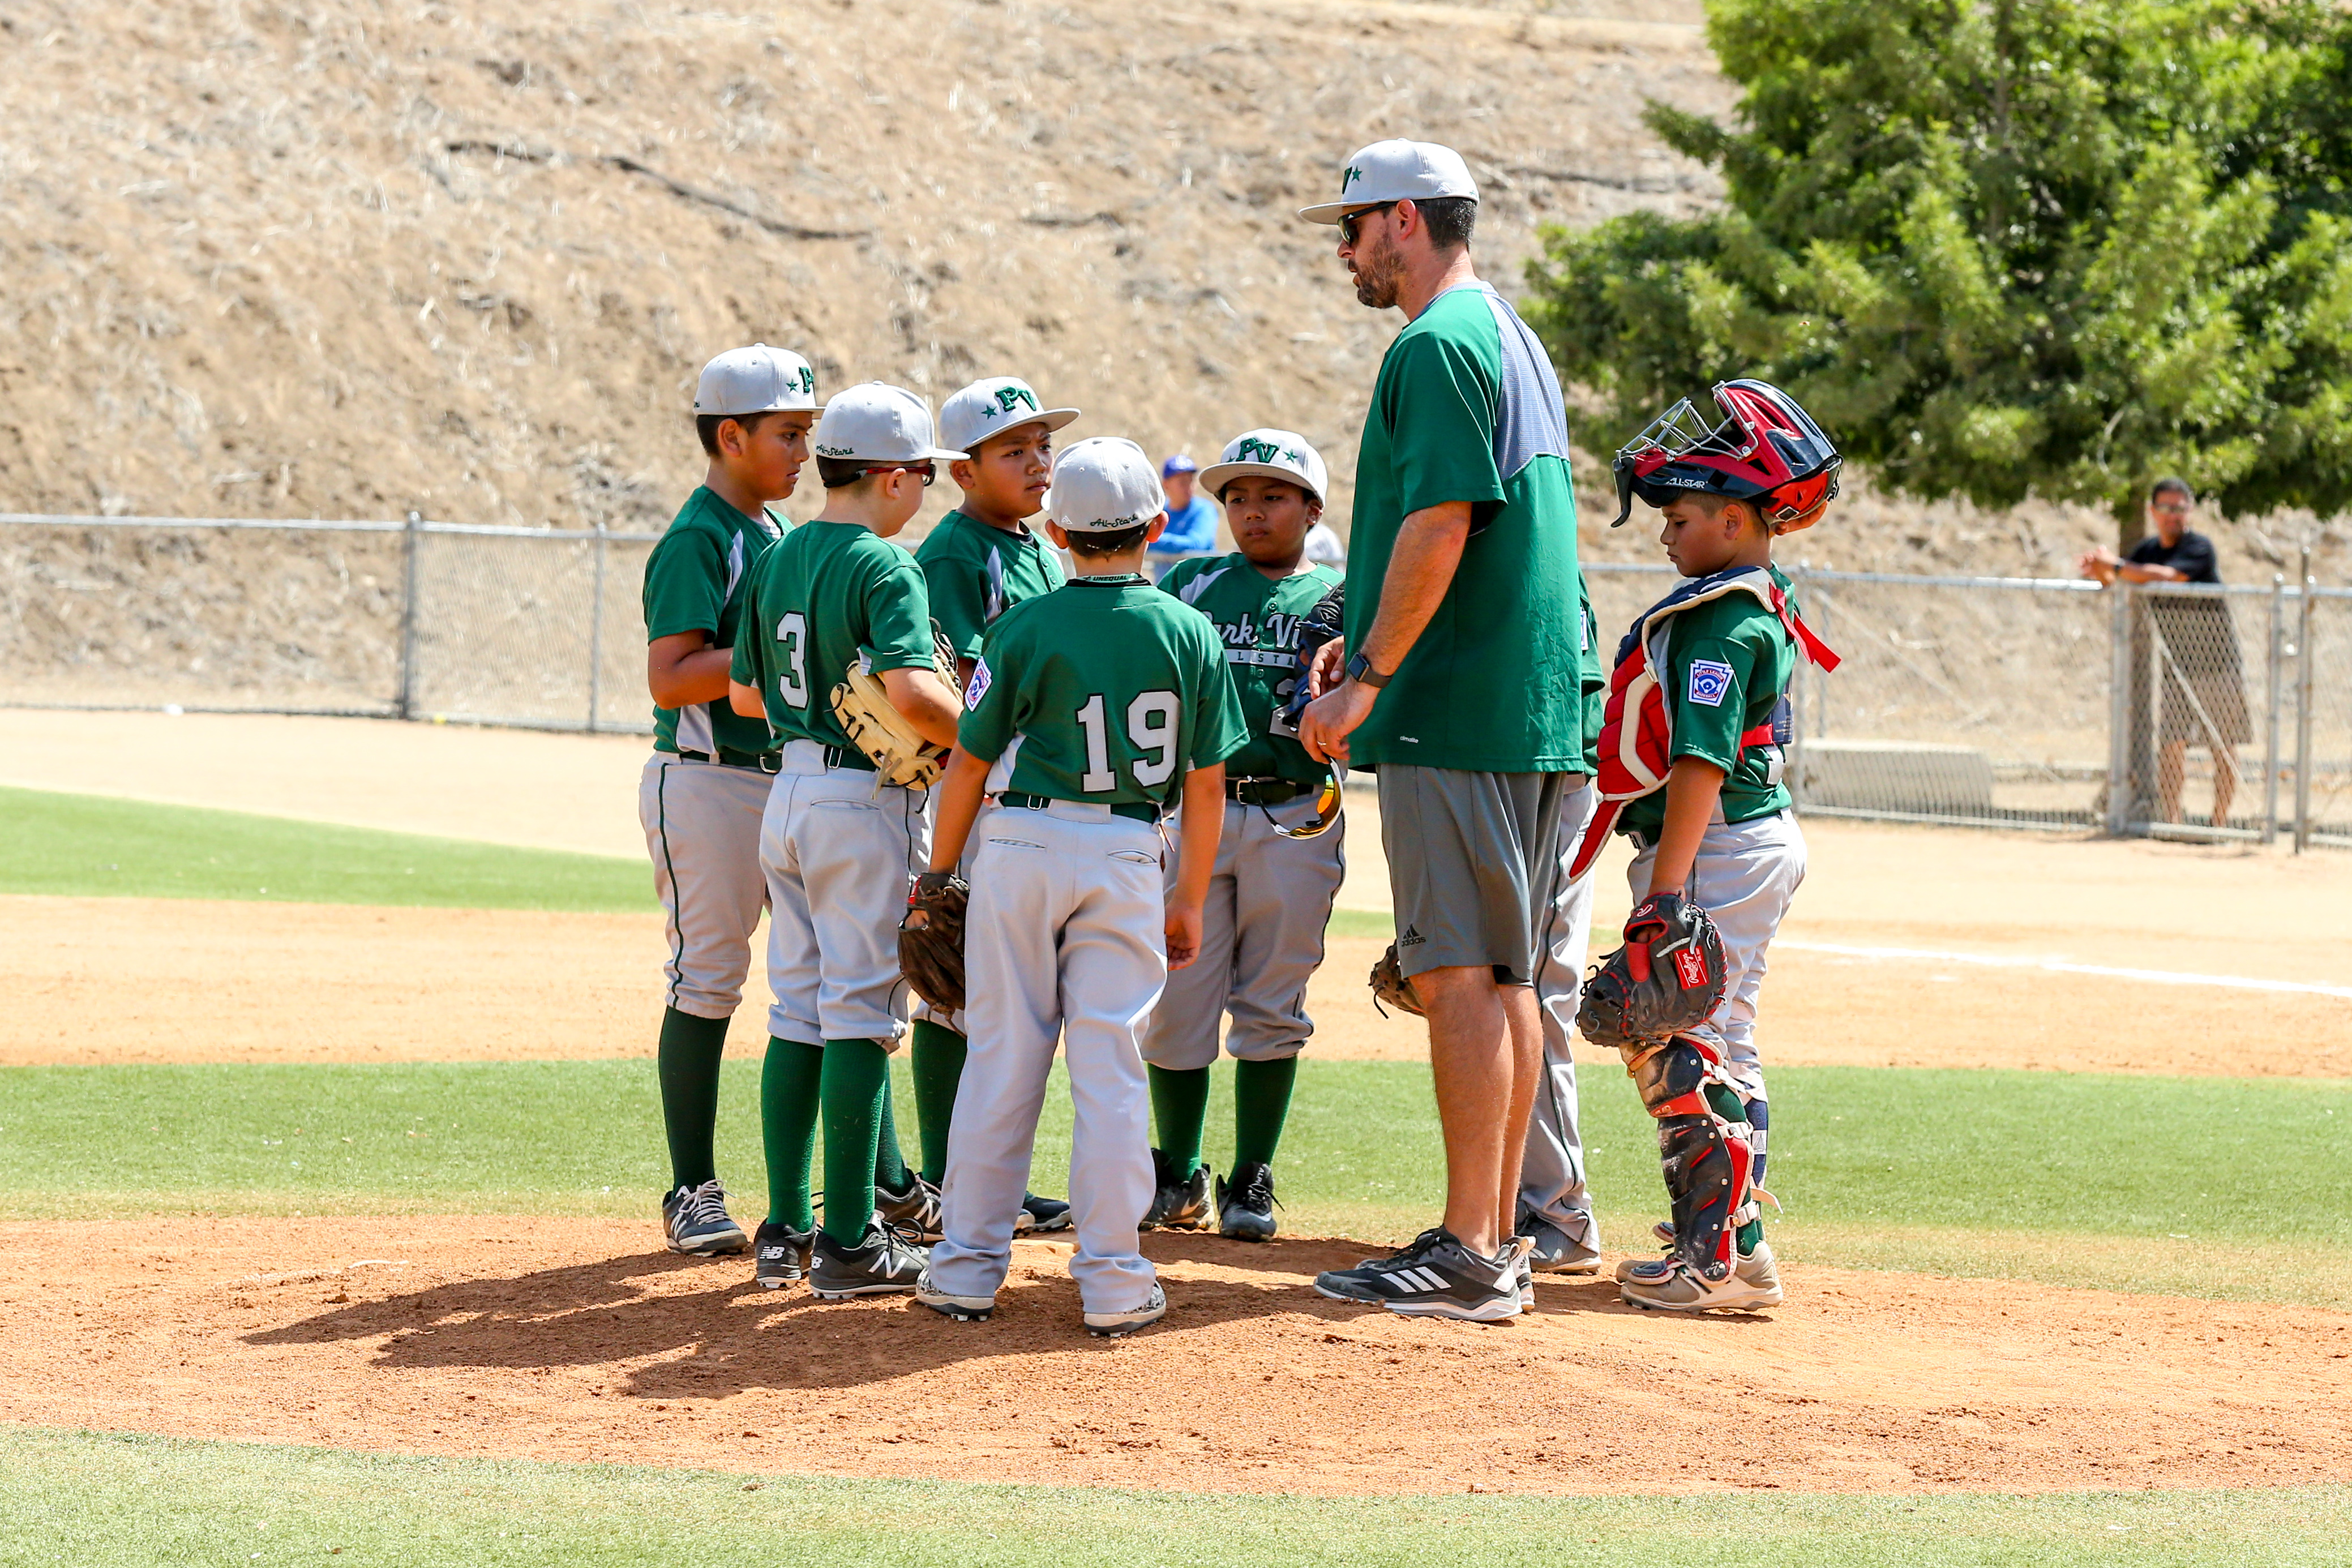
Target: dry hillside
{"x": 302, "y": 259}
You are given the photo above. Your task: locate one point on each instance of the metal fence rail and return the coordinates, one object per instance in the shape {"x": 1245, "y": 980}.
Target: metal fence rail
{"x": 2020, "y": 702}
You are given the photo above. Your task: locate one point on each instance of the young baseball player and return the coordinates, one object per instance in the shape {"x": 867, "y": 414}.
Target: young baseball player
{"x": 706, "y": 784}
{"x": 1278, "y": 856}
{"x": 1691, "y": 769}
{"x": 980, "y": 561}
{"x": 836, "y": 843}
{"x": 1091, "y": 710}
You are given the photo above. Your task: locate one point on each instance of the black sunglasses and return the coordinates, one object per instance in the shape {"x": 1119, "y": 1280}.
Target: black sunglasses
{"x": 1347, "y": 223}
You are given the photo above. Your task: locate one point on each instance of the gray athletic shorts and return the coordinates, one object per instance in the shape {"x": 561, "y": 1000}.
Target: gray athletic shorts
{"x": 1471, "y": 862}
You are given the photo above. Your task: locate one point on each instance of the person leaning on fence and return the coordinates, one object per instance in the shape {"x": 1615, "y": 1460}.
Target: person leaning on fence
{"x": 2203, "y": 686}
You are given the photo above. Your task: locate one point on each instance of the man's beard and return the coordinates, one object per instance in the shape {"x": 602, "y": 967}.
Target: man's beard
{"x": 1378, "y": 275}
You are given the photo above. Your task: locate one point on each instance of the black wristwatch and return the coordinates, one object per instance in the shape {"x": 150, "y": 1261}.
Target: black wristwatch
{"x": 1360, "y": 672}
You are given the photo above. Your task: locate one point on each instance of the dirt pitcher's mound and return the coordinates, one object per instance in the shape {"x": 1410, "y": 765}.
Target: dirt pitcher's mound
{"x": 571, "y": 1340}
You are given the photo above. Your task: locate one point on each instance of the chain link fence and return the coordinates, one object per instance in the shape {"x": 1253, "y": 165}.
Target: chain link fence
{"x": 2001, "y": 701}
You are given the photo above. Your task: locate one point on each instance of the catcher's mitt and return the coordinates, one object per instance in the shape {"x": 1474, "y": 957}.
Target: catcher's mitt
{"x": 930, "y": 938}
{"x": 876, "y": 727}
{"x": 1665, "y": 980}
{"x": 1392, "y": 986}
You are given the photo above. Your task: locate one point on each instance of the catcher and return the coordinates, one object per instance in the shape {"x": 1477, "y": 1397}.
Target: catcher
{"x": 1691, "y": 771}
{"x": 837, "y": 619}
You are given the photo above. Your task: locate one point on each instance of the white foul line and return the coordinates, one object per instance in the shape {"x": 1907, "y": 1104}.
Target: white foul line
{"x": 2061, "y": 966}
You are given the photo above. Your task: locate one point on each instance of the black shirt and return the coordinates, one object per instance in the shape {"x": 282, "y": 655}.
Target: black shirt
{"x": 2192, "y": 557}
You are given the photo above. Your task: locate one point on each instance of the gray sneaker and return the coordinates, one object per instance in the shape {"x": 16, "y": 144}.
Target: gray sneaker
{"x": 1178, "y": 1203}
{"x": 1434, "y": 1276}
{"x": 1556, "y": 1252}
{"x": 1111, "y": 1325}
{"x": 962, "y": 1308}
{"x": 696, "y": 1221}
{"x": 1754, "y": 1281}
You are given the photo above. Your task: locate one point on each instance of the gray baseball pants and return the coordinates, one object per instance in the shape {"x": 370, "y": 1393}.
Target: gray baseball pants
{"x": 702, "y": 830}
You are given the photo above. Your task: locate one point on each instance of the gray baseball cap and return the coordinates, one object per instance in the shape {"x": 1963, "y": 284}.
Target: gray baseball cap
{"x": 1276, "y": 454}
{"x": 1103, "y": 484}
{"x": 875, "y": 422}
{"x": 991, "y": 405}
{"x": 1395, "y": 172}
{"x": 757, "y": 380}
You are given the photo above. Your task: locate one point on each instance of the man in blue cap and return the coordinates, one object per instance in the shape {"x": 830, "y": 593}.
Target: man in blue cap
{"x": 1191, "y": 517}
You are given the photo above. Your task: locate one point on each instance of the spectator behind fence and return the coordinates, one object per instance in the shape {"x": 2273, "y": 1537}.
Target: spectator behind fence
{"x": 2204, "y": 685}
{"x": 1191, "y": 517}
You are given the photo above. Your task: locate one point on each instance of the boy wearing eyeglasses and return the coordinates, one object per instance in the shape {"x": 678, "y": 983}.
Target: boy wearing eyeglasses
{"x": 837, "y": 845}
{"x": 980, "y": 561}
{"x": 1279, "y": 860}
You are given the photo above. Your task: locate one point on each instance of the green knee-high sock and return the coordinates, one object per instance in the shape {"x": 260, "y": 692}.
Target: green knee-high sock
{"x": 939, "y": 1053}
{"x": 854, "y": 1072}
{"x": 889, "y": 1164}
{"x": 789, "y": 1083}
{"x": 1727, "y": 1104}
{"x": 687, "y": 1067}
{"x": 1261, "y": 1102}
{"x": 1180, "y": 1108}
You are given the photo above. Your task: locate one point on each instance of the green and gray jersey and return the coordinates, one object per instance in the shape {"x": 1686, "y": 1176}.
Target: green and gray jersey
{"x": 1105, "y": 691}
{"x": 695, "y": 580}
{"x": 826, "y": 595}
{"x": 1467, "y": 409}
{"x": 1258, "y": 618}
{"x": 1728, "y": 663}
{"x": 977, "y": 572}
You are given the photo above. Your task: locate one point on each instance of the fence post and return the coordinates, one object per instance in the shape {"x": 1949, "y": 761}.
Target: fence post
{"x": 2118, "y": 707}
{"x": 596, "y": 633}
{"x": 2275, "y": 698}
{"x": 2303, "y": 710}
{"x": 408, "y": 540}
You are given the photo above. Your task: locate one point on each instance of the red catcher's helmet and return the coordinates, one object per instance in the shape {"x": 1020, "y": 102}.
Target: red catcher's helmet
{"x": 1768, "y": 452}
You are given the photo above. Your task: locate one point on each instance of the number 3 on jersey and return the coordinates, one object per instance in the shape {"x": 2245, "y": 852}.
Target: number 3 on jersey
{"x": 792, "y": 681}
{"x": 1150, "y": 729}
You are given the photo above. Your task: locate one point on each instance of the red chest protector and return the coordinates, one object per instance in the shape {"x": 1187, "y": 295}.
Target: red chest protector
{"x": 1637, "y": 725}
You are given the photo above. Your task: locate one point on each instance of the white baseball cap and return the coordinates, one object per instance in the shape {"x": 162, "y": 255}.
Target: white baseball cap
{"x": 1395, "y": 172}
{"x": 1103, "y": 484}
{"x": 1276, "y": 454}
{"x": 877, "y": 423}
{"x": 991, "y": 405}
{"x": 757, "y": 380}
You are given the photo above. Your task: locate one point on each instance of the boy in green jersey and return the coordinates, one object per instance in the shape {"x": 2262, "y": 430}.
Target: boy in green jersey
{"x": 1091, "y": 710}
{"x": 980, "y": 561}
{"x": 1277, "y": 868}
{"x": 837, "y": 844}
{"x": 704, "y": 787}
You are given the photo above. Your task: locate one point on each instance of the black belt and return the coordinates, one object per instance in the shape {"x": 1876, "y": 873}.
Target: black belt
{"x": 728, "y": 757}
{"x": 1265, "y": 791}
{"x": 1131, "y": 811}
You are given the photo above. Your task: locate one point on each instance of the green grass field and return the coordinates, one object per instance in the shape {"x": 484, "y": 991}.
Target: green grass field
{"x": 100, "y": 1501}
{"x": 1873, "y": 1164}
{"x": 85, "y": 846}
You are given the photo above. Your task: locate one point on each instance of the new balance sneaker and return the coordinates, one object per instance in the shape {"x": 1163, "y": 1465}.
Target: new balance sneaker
{"x": 915, "y": 1210}
{"x": 1178, "y": 1202}
{"x": 1245, "y": 1204}
{"x": 1111, "y": 1325}
{"x": 779, "y": 1254}
{"x": 962, "y": 1308}
{"x": 1436, "y": 1276}
{"x": 696, "y": 1222}
{"x": 1556, "y": 1252}
{"x": 884, "y": 1261}
{"x": 1039, "y": 1215}
{"x": 1754, "y": 1281}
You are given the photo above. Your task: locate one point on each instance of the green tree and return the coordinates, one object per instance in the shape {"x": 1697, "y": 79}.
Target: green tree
{"x": 2006, "y": 247}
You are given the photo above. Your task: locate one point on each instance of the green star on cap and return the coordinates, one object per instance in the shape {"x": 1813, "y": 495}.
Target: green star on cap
{"x": 1349, "y": 178}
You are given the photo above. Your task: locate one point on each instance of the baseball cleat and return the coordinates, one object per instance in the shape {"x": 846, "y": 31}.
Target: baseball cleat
{"x": 697, "y": 1223}
{"x": 1039, "y": 1214}
{"x": 1111, "y": 1325}
{"x": 1245, "y": 1205}
{"x": 915, "y": 1210}
{"x": 1753, "y": 1282}
{"x": 1435, "y": 1277}
{"x": 1554, "y": 1251}
{"x": 1178, "y": 1202}
{"x": 962, "y": 1308}
{"x": 882, "y": 1262}
{"x": 779, "y": 1254}
{"x": 1523, "y": 1271}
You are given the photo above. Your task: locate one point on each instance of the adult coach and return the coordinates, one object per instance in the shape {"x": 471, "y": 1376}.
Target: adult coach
{"x": 2204, "y": 684}
{"x": 1463, "y": 687}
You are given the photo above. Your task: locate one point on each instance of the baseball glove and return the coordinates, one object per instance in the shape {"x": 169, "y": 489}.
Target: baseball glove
{"x": 1392, "y": 986}
{"x": 876, "y": 727}
{"x": 1665, "y": 980}
{"x": 930, "y": 938}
